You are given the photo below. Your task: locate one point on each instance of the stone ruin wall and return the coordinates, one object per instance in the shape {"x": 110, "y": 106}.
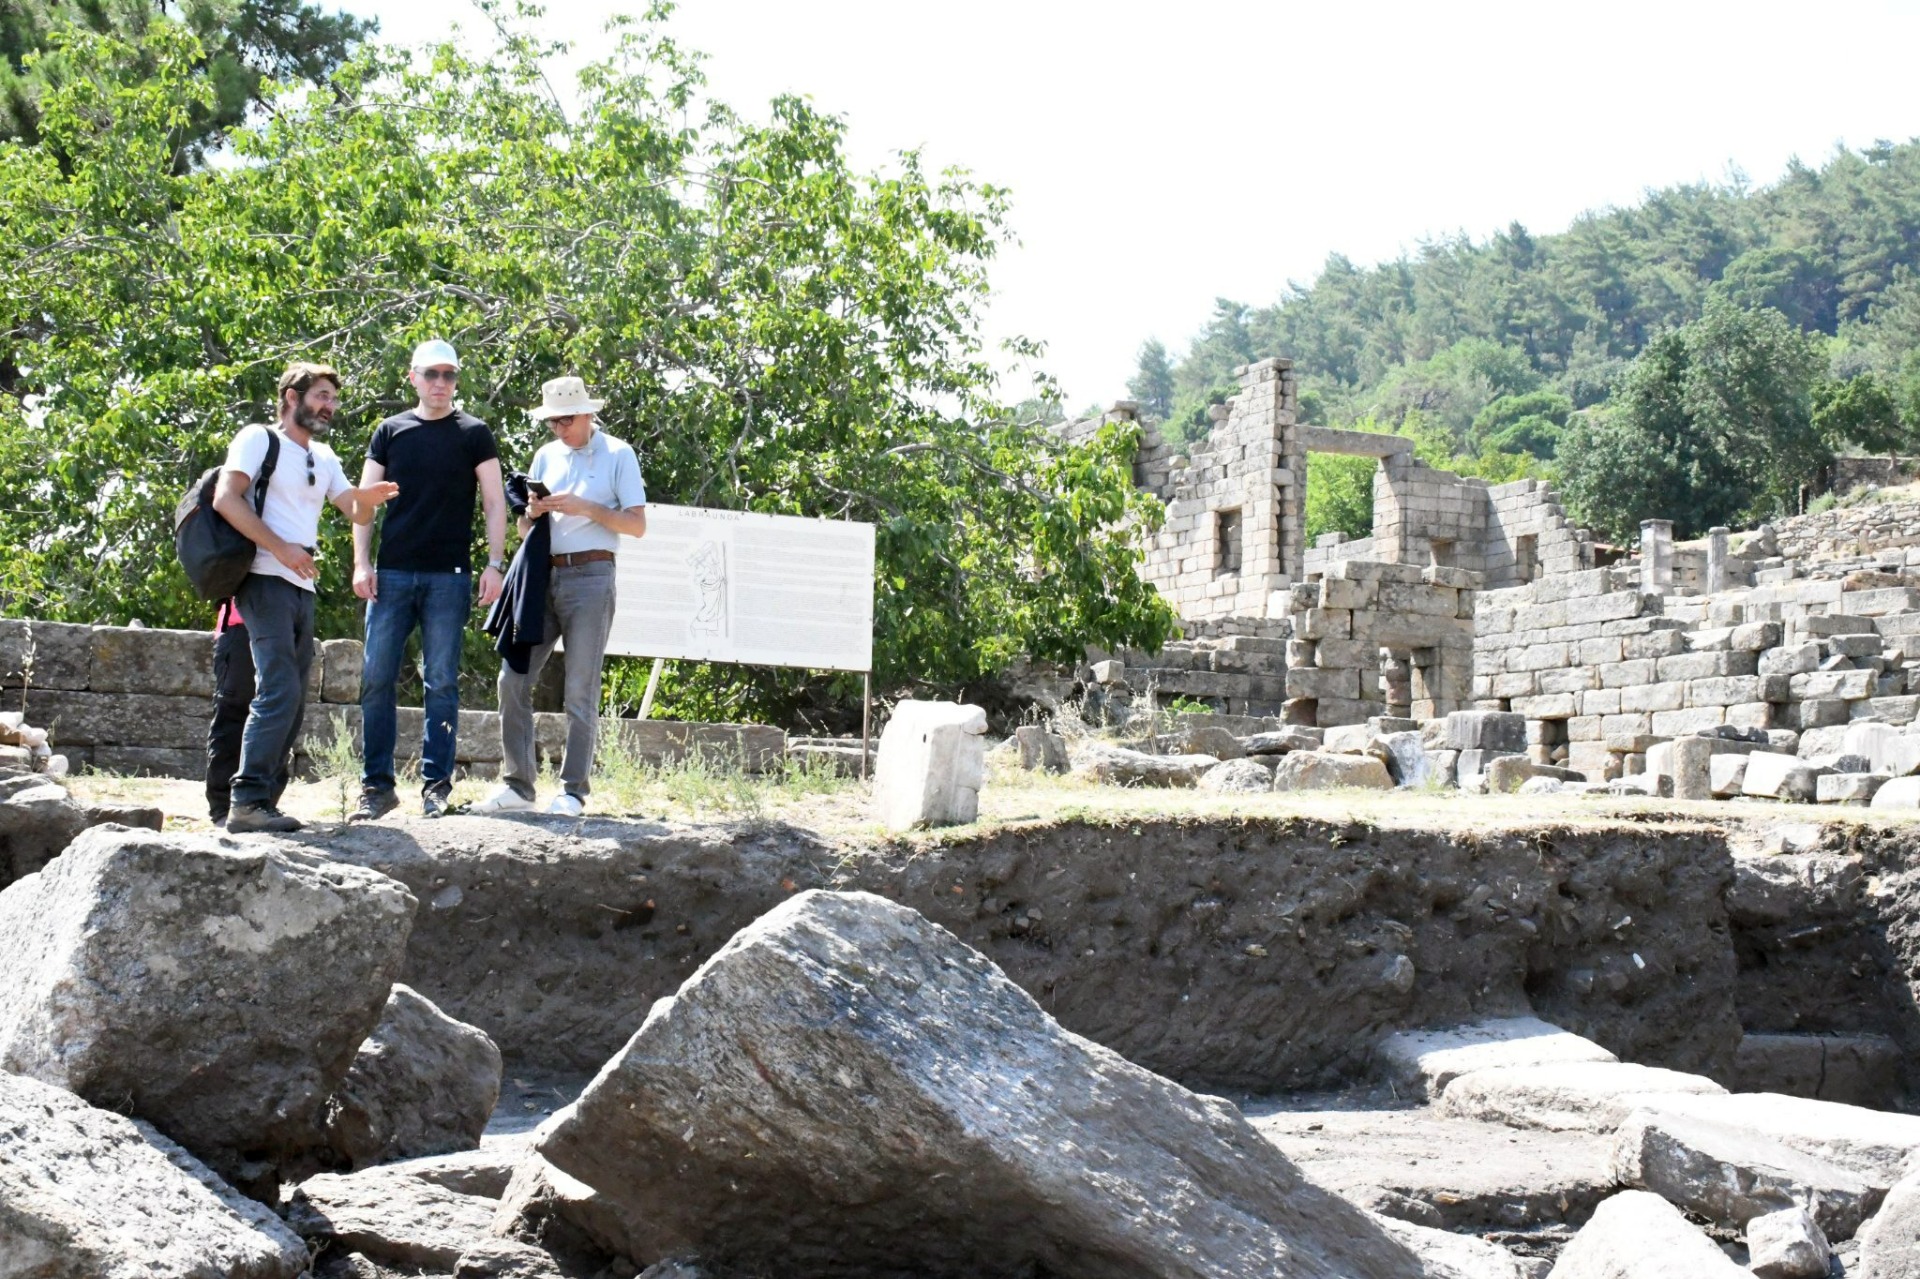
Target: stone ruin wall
{"x": 1374, "y": 639}
{"x": 1607, "y": 663}
{"x": 137, "y": 700}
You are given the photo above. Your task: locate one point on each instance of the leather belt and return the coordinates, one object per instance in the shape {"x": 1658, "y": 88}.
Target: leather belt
{"x": 573, "y": 559}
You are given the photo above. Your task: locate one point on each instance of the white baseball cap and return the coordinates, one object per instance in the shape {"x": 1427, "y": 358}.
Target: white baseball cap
{"x": 433, "y": 353}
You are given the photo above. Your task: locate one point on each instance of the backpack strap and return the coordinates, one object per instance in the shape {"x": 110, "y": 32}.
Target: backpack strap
{"x": 266, "y": 471}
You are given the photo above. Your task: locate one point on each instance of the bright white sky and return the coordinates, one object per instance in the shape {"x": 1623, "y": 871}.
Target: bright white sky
{"x": 1163, "y": 154}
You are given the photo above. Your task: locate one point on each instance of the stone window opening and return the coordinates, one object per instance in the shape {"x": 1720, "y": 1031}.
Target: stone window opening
{"x": 1440, "y": 550}
{"x": 1526, "y": 557}
{"x": 1227, "y": 543}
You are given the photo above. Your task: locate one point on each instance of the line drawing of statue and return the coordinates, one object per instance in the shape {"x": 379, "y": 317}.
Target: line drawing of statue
{"x": 709, "y": 565}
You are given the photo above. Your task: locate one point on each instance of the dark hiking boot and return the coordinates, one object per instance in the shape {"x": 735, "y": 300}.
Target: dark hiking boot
{"x": 246, "y": 818}
{"x": 435, "y": 803}
{"x": 375, "y": 802}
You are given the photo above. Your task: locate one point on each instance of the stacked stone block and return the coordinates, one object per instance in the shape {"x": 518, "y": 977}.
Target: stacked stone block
{"x": 1248, "y": 466}
{"x": 1360, "y": 623}
{"x": 1237, "y": 666}
{"x": 138, "y": 700}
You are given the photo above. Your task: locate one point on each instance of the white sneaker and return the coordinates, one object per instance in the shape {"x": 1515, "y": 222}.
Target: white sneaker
{"x": 504, "y": 800}
{"x": 565, "y": 805}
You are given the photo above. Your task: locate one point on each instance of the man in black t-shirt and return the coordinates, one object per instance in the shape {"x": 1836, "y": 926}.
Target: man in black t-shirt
{"x": 422, "y": 580}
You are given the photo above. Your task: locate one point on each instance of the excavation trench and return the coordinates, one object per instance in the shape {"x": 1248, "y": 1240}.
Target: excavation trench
{"x": 1254, "y": 956}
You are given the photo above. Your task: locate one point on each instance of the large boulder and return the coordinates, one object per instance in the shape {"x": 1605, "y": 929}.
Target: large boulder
{"x": 931, "y": 765}
{"x": 1873, "y": 1144}
{"x": 1445, "y": 1255}
{"x": 217, "y": 989}
{"x": 1788, "y": 1244}
{"x": 1731, "y": 1175}
{"x": 1237, "y": 777}
{"x": 389, "y": 1217}
{"x": 846, "y": 1086}
{"x": 38, "y": 818}
{"x": 1323, "y": 770}
{"x": 1118, "y": 766}
{"x": 1421, "y": 1063}
{"x": 1890, "y": 1243}
{"x": 422, "y": 1084}
{"x": 1637, "y": 1235}
{"x": 87, "y": 1194}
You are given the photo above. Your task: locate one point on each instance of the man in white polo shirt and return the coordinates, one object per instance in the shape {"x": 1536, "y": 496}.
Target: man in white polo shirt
{"x": 278, "y": 594}
{"x": 595, "y": 497}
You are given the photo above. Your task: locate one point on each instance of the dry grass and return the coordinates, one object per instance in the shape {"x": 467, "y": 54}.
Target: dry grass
{"x": 710, "y": 791}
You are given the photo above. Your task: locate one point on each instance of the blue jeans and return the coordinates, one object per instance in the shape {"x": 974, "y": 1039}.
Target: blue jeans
{"x": 437, "y": 604}
{"x": 280, "y": 634}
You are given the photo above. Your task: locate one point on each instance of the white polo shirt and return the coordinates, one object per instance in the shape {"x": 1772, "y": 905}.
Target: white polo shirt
{"x": 293, "y": 505}
{"x": 606, "y": 471}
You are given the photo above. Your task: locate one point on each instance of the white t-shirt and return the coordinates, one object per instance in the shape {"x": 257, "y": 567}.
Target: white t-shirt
{"x": 293, "y": 505}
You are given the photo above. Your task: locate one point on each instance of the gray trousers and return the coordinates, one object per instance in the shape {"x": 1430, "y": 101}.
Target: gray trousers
{"x": 580, "y": 611}
{"x": 280, "y": 633}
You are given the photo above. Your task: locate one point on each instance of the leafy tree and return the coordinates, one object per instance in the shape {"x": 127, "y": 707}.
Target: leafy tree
{"x": 247, "y": 45}
{"x": 1714, "y": 423}
{"x": 1529, "y": 423}
{"x": 773, "y": 330}
{"x": 1860, "y": 411}
{"x": 1152, "y": 384}
{"x": 1339, "y": 495}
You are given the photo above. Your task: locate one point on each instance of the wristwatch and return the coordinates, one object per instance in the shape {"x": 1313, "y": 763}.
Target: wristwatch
{"x": 497, "y": 564}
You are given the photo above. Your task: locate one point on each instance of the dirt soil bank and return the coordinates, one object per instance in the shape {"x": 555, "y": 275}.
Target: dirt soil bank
{"x": 1252, "y": 954}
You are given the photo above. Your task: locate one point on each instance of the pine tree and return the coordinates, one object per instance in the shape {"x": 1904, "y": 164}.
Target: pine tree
{"x": 1152, "y": 385}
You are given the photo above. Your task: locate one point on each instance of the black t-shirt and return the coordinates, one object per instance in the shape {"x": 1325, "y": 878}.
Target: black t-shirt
{"x": 429, "y": 527}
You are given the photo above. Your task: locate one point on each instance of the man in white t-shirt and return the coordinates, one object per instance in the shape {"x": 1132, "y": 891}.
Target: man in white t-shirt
{"x": 278, "y": 595}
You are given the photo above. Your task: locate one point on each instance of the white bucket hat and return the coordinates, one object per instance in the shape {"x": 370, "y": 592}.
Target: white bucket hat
{"x": 433, "y": 353}
{"x": 563, "y": 397}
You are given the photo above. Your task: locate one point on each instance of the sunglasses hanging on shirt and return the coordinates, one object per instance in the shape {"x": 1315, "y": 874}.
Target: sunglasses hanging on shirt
{"x": 309, "y": 468}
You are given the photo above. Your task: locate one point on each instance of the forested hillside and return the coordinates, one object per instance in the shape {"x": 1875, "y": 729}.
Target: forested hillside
{"x": 1492, "y": 353}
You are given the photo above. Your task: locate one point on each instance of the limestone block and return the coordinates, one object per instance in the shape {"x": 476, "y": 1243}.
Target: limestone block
{"x": 46, "y": 655}
{"x": 1326, "y": 623}
{"x": 1585, "y": 728}
{"x": 1547, "y": 706}
{"x": 1653, "y": 645}
{"x": 216, "y": 988}
{"x": 1346, "y": 739}
{"x": 1040, "y": 750}
{"x": 340, "y": 662}
{"x": 1566, "y": 1096}
{"x": 1890, "y": 1243}
{"x": 1691, "y": 720}
{"x": 1319, "y": 770}
{"x": 1500, "y": 731}
{"x": 1607, "y": 608}
{"x": 1751, "y": 715}
{"x": 1813, "y": 743}
{"x": 150, "y": 660}
{"x": 1793, "y": 659}
{"x": 1731, "y": 1175}
{"x": 1653, "y": 698}
{"x": 1120, "y": 767}
{"x": 1318, "y": 683}
{"x": 1692, "y": 760}
{"x": 1774, "y": 776}
{"x": 122, "y": 719}
{"x": 1537, "y": 657}
{"x": 1858, "y": 1070}
{"x": 1600, "y": 701}
{"x": 1627, "y": 674}
{"x": 1756, "y": 637}
{"x": 1573, "y": 679}
{"x": 1886, "y": 748}
{"x": 1509, "y": 684}
{"x": 1788, "y": 1244}
{"x": 1507, "y": 773}
{"x": 422, "y": 1084}
{"x": 1343, "y": 593}
{"x": 1726, "y": 775}
{"x": 1350, "y": 654}
{"x": 1109, "y": 672}
{"x": 1875, "y": 1145}
{"x": 1694, "y": 666}
{"x": 1847, "y": 684}
{"x": 1723, "y": 690}
{"x": 1825, "y": 712}
{"x": 87, "y": 1193}
{"x": 1902, "y": 793}
{"x": 1423, "y": 1062}
{"x": 755, "y": 1052}
{"x": 931, "y": 765}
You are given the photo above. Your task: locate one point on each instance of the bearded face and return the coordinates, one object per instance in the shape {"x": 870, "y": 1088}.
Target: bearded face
{"x": 314, "y": 412}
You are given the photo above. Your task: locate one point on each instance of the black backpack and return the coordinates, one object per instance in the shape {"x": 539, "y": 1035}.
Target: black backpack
{"x": 216, "y": 555}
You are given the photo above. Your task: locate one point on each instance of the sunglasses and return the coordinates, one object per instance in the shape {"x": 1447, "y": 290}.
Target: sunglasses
{"x": 440, "y": 375}
{"x": 309, "y": 468}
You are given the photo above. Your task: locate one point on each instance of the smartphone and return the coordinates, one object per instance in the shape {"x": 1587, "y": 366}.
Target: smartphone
{"x": 538, "y": 488}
